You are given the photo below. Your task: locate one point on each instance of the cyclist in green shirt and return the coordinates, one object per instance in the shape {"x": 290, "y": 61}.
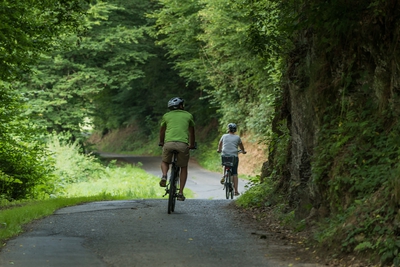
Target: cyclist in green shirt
{"x": 176, "y": 133}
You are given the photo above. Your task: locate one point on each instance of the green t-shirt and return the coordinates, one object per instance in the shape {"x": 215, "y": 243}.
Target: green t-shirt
{"x": 177, "y": 124}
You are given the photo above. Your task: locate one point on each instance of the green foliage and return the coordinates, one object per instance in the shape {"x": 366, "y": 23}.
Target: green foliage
{"x": 63, "y": 90}
{"x": 77, "y": 174}
{"x": 23, "y": 159}
{"x": 71, "y": 165}
{"x": 127, "y": 180}
{"x": 356, "y": 166}
{"x": 29, "y": 28}
{"x": 340, "y": 76}
{"x": 279, "y": 142}
{"x": 128, "y": 58}
{"x": 112, "y": 75}
{"x": 209, "y": 43}
{"x": 365, "y": 227}
{"x": 177, "y": 26}
{"x": 356, "y": 154}
{"x": 256, "y": 196}
{"x": 206, "y": 152}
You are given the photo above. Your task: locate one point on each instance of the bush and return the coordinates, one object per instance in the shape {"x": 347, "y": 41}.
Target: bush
{"x": 71, "y": 165}
{"x": 24, "y": 164}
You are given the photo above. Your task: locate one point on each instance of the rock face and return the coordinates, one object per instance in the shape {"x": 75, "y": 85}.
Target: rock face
{"x": 332, "y": 74}
{"x": 296, "y": 124}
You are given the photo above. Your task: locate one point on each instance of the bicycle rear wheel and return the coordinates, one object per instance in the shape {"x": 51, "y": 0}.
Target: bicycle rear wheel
{"x": 231, "y": 188}
{"x": 176, "y": 186}
{"x": 228, "y": 181}
{"x": 172, "y": 191}
{"x": 231, "y": 185}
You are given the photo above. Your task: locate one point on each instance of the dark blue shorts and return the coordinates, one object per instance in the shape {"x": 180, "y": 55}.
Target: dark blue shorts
{"x": 234, "y": 168}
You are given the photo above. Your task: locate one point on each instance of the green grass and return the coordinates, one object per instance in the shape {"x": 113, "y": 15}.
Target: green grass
{"x": 126, "y": 182}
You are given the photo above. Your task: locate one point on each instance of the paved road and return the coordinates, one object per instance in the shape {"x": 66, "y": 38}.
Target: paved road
{"x": 201, "y": 232}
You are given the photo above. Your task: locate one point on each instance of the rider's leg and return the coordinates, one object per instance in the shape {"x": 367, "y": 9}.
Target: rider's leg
{"x": 165, "y": 159}
{"x": 183, "y": 178}
{"x": 235, "y": 176}
{"x": 223, "y": 175}
{"x": 235, "y": 181}
{"x": 182, "y": 182}
{"x": 164, "y": 168}
{"x": 182, "y": 162}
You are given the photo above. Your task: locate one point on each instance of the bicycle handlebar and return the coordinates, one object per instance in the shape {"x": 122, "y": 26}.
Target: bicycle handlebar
{"x": 195, "y": 146}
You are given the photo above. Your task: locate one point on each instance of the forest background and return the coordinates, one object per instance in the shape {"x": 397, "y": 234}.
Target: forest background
{"x": 316, "y": 83}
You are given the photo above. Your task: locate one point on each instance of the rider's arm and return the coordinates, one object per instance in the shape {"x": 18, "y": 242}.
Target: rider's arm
{"x": 192, "y": 138}
{"x": 242, "y": 148}
{"x": 162, "y": 135}
{"x": 219, "y": 146}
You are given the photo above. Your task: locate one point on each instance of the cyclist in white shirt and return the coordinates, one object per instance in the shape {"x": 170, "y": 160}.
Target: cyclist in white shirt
{"x": 228, "y": 145}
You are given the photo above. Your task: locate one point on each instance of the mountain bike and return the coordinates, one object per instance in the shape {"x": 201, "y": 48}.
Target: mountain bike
{"x": 172, "y": 189}
{"x": 228, "y": 161}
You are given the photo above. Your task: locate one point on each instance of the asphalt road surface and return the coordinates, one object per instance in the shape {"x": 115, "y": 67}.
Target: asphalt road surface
{"x": 204, "y": 231}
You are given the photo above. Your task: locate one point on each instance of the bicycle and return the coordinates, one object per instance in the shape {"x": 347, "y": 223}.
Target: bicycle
{"x": 228, "y": 161}
{"x": 172, "y": 189}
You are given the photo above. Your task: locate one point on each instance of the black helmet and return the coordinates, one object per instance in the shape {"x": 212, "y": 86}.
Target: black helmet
{"x": 232, "y": 127}
{"x": 175, "y": 102}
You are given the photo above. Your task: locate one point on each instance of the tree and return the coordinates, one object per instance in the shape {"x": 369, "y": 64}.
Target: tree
{"x": 115, "y": 75}
{"x": 23, "y": 159}
{"x": 210, "y": 43}
{"x": 29, "y": 28}
{"x": 106, "y": 56}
